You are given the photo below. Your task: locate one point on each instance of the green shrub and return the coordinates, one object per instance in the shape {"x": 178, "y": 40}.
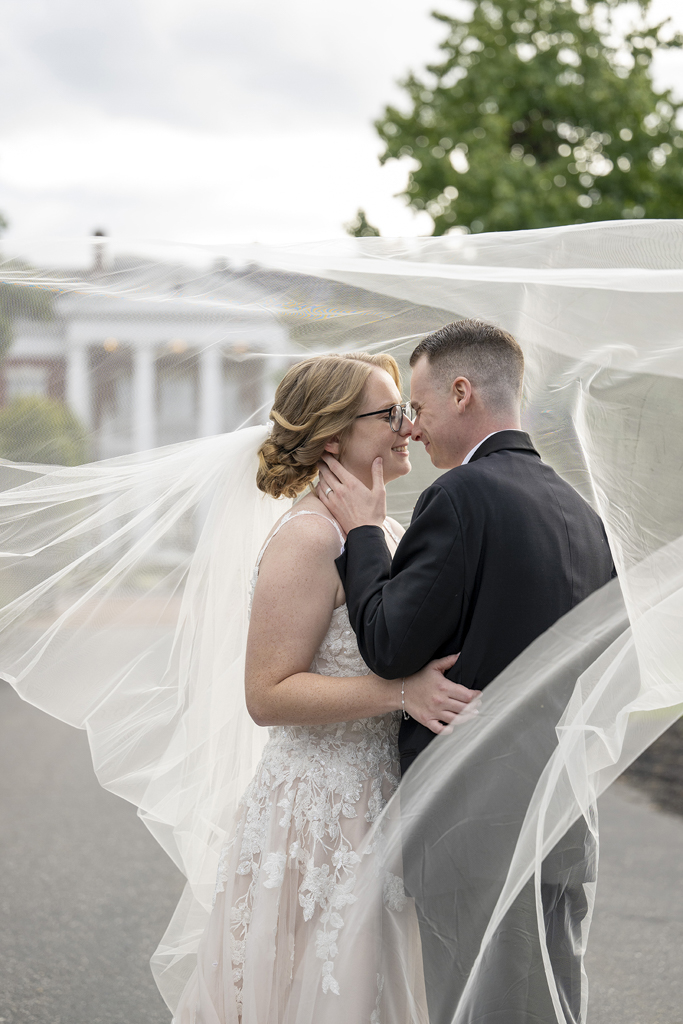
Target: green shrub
{"x": 42, "y": 430}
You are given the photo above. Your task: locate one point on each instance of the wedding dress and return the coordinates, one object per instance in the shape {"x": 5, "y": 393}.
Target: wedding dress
{"x": 286, "y": 873}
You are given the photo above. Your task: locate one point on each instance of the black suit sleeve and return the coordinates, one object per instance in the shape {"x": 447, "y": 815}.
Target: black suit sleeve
{"x": 403, "y": 612}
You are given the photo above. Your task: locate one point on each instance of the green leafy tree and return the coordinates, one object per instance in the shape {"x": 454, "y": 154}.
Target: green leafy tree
{"x": 539, "y": 114}
{"x": 38, "y": 429}
{"x": 361, "y": 227}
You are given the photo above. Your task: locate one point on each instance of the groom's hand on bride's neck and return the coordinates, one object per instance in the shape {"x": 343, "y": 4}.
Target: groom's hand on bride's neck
{"x": 348, "y": 499}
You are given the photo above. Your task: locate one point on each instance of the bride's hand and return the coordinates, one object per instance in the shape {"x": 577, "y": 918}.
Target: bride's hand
{"x": 435, "y": 701}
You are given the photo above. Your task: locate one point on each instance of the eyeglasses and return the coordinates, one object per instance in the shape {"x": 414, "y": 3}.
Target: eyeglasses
{"x": 396, "y": 414}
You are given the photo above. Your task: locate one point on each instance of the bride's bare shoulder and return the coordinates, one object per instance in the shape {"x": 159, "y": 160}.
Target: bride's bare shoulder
{"x": 306, "y": 528}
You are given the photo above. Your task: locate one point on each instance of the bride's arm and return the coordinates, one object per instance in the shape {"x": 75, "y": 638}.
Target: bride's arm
{"x": 296, "y": 593}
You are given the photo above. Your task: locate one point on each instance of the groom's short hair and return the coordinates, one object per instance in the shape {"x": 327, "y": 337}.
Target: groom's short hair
{"x": 488, "y": 356}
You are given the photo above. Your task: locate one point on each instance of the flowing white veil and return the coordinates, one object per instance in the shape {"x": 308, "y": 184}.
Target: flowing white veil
{"x": 124, "y": 584}
{"x": 140, "y": 643}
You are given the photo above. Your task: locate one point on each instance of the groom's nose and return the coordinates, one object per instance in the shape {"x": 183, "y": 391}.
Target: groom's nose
{"x": 406, "y": 427}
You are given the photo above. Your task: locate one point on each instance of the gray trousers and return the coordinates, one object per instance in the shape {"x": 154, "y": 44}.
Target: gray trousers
{"x": 512, "y": 987}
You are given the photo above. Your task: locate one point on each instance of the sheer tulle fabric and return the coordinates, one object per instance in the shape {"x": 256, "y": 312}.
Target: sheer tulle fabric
{"x": 142, "y": 643}
{"x": 495, "y": 825}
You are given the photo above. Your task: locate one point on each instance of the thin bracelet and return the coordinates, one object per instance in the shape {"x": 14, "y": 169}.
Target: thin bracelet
{"x": 403, "y": 700}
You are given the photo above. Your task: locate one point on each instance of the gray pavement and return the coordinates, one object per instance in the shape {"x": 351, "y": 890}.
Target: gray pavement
{"x": 85, "y": 891}
{"x": 635, "y": 953}
{"x": 85, "y": 894}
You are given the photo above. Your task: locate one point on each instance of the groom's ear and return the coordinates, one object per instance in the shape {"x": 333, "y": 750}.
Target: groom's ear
{"x": 332, "y": 445}
{"x": 461, "y": 391}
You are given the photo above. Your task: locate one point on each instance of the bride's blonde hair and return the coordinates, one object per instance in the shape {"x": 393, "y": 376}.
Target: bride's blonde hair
{"x": 316, "y": 399}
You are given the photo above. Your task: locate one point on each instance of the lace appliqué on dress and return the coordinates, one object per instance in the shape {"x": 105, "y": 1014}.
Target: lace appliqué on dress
{"x": 309, "y": 780}
{"x": 316, "y": 792}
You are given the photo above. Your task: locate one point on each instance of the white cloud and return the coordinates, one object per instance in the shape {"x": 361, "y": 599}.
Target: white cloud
{"x": 210, "y": 120}
{"x": 288, "y": 185}
{"x": 203, "y": 120}
{"x": 211, "y": 63}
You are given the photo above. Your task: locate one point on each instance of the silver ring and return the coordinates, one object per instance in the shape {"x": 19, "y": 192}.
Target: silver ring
{"x": 328, "y": 491}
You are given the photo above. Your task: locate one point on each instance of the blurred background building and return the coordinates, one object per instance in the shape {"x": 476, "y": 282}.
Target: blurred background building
{"x": 200, "y": 357}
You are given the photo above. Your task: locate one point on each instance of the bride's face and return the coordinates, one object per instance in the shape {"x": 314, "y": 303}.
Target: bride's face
{"x": 372, "y": 436}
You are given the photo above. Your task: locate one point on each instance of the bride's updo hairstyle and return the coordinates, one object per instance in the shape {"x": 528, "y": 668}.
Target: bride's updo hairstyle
{"x": 316, "y": 399}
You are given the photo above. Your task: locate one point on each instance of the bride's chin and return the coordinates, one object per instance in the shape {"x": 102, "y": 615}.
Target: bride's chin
{"x": 398, "y": 471}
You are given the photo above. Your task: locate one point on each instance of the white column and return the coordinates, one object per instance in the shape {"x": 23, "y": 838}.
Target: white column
{"x": 210, "y": 391}
{"x": 143, "y": 399}
{"x": 78, "y": 396}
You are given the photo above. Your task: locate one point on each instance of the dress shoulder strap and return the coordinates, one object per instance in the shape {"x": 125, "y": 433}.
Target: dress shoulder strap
{"x": 388, "y": 528}
{"x": 292, "y": 515}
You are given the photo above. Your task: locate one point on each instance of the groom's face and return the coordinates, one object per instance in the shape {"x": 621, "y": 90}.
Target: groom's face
{"x": 437, "y": 422}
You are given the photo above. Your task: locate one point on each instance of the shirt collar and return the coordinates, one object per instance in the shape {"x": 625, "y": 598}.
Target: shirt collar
{"x": 478, "y": 445}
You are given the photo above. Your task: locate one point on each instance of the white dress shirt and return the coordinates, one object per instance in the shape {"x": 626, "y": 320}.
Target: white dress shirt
{"x": 478, "y": 445}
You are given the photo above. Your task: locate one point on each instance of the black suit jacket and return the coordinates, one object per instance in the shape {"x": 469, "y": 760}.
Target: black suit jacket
{"x": 496, "y": 552}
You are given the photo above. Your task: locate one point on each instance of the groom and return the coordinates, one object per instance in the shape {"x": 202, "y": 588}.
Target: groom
{"x": 498, "y": 549}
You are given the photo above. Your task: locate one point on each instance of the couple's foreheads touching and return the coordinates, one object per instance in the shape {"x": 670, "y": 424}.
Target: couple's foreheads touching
{"x": 466, "y": 384}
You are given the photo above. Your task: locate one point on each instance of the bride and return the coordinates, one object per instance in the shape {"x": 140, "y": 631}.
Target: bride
{"x": 287, "y": 870}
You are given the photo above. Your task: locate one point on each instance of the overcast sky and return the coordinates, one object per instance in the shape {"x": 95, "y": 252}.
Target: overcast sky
{"x": 209, "y": 120}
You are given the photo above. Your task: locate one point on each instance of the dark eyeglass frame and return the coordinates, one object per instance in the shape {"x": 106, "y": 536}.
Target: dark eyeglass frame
{"x": 403, "y": 409}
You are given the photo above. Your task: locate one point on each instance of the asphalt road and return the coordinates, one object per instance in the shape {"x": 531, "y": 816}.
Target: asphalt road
{"x": 635, "y": 953}
{"x": 85, "y": 891}
{"x": 85, "y": 894}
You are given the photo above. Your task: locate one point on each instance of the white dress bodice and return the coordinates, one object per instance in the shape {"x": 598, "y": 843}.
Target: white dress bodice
{"x": 338, "y": 655}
